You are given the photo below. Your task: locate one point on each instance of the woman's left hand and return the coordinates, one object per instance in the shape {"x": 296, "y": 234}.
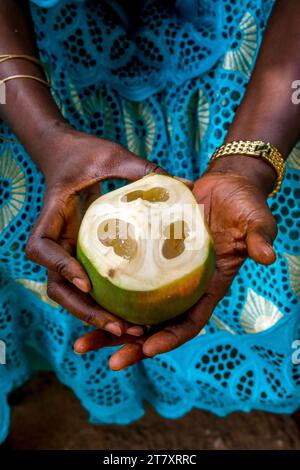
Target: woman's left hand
{"x": 242, "y": 225}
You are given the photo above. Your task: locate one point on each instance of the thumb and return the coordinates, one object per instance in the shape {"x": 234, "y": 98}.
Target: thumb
{"x": 259, "y": 244}
{"x": 127, "y": 165}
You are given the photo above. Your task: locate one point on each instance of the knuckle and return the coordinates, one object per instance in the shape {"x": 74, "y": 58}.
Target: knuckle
{"x": 31, "y": 249}
{"x": 53, "y": 291}
{"x": 90, "y": 317}
{"x": 193, "y": 327}
{"x": 61, "y": 267}
{"x": 116, "y": 149}
{"x": 150, "y": 167}
{"x": 192, "y": 323}
{"x": 113, "y": 153}
{"x": 173, "y": 337}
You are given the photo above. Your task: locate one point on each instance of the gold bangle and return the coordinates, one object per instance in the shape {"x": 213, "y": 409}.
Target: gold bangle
{"x": 13, "y": 77}
{"x": 256, "y": 149}
{"x": 34, "y": 60}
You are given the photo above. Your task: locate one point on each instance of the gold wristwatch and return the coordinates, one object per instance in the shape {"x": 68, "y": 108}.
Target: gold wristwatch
{"x": 256, "y": 149}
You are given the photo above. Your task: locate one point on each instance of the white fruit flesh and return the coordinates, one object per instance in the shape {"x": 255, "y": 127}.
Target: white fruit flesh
{"x": 166, "y": 240}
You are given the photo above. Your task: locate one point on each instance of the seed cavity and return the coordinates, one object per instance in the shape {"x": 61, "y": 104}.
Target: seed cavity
{"x": 175, "y": 234}
{"x": 120, "y": 236}
{"x": 151, "y": 195}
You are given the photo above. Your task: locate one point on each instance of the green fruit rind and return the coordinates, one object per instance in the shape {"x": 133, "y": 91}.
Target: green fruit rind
{"x": 154, "y": 306}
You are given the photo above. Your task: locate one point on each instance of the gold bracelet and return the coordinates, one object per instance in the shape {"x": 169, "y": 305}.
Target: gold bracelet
{"x": 256, "y": 149}
{"x": 34, "y": 60}
{"x": 13, "y": 77}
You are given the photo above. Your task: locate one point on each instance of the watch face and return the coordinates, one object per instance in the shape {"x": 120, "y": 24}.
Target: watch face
{"x": 262, "y": 148}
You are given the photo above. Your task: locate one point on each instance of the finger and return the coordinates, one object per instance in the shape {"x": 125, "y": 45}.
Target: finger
{"x": 176, "y": 334}
{"x": 127, "y": 356}
{"x": 84, "y": 308}
{"x": 97, "y": 339}
{"x": 82, "y": 305}
{"x": 43, "y": 247}
{"x": 134, "y": 168}
{"x": 187, "y": 326}
{"x": 259, "y": 248}
{"x": 260, "y": 237}
{"x": 187, "y": 182}
{"x": 125, "y": 164}
{"x": 90, "y": 195}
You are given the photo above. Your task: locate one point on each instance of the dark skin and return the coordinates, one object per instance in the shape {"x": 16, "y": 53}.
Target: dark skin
{"x": 233, "y": 189}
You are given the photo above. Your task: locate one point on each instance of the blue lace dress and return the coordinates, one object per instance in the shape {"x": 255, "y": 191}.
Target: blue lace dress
{"x": 164, "y": 81}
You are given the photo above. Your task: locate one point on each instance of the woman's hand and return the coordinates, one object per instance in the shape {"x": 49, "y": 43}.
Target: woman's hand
{"x": 73, "y": 165}
{"x": 241, "y": 224}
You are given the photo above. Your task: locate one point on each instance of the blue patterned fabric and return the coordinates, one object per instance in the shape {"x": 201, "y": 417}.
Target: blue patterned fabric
{"x": 164, "y": 81}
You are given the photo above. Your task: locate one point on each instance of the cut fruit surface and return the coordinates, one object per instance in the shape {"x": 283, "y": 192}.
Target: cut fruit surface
{"x": 151, "y": 195}
{"x": 175, "y": 235}
{"x": 116, "y": 233}
{"x": 147, "y": 250}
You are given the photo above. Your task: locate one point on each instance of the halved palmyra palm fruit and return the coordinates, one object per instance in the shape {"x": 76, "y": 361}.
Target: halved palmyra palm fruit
{"x": 147, "y": 250}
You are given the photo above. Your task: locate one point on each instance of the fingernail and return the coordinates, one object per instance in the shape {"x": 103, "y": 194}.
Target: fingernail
{"x": 149, "y": 351}
{"x": 114, "y": 328}
{"x": 80, "y": 284}
{"x": 135, "y": 331}
{"x": 114, "y": 364}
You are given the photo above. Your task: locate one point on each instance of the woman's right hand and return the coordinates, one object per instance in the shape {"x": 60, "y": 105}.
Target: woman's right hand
{"x": 74, "y": 164}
